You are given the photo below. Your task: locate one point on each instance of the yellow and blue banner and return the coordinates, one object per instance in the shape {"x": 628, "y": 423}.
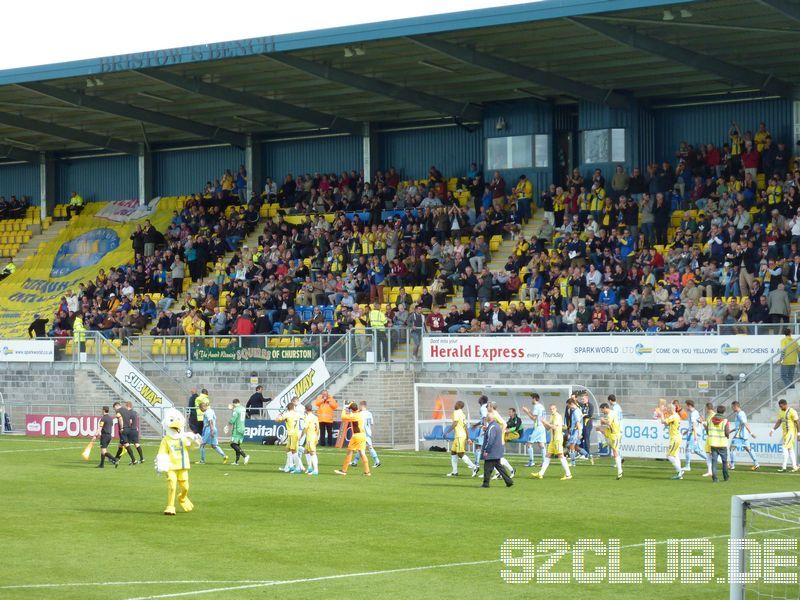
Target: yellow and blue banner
{"x": 75, "y": 256}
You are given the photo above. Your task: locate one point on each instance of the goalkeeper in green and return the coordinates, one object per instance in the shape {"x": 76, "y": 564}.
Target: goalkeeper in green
{"x": 236, "y": 424}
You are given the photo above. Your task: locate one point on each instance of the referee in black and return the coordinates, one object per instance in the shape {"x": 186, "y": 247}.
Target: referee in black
{"x": 121, "y": 416}
{"x": 105, "y": 429}
{"x": 132, "y": 429}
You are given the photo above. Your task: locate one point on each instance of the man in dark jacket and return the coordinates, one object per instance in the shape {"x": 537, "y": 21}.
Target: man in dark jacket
{"x": 255, "y": 404}
{"x": 493, "y": 451}
{"x": 37, "y": 327}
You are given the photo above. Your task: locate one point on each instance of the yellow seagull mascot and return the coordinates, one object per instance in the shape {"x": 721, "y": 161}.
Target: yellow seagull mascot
{"x": 173, "y": 459}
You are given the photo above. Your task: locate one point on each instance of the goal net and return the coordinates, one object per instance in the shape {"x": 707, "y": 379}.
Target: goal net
{"x": 763, "y": 558}
{"x": 433, "y": 407}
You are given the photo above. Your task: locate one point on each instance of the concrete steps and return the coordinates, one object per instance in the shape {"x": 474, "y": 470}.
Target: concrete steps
{"x": 42, "y": 237}
{"x": 251, "y": 241}
{"x": 500, "y": 256}
{"x": 195, "y": 288}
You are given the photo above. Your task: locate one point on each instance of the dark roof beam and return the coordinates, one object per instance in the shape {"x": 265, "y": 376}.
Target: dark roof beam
{"x": 14, "y": 153}
{"x": 68, "y": 133}
{"x": 552, "y": 81}
{"x": 139, "y": 114}
{"x": 267, "y": 105}
{"x": 788, "y": 9}
{"x": 724, "y": 70}
{"x": 437, "y": 104}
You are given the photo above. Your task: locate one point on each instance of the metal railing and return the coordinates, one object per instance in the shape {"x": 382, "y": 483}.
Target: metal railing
{"x": 760, "y": 386}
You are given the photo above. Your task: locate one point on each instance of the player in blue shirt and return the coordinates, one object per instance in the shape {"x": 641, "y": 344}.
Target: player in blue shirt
{"x": 575, "y": 431}
{"x": 739, "y": 439}
{"x": 368, "y": 423}
{"x": 483, "y": 407}
{"x": 539, "y": 434}
{"x": 692, "y": 440}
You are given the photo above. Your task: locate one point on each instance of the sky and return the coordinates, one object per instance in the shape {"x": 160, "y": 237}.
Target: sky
{"x": 65, "y": 31}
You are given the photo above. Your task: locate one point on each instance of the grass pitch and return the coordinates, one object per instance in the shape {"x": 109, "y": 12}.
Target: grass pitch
{"x": 72, "y": 531}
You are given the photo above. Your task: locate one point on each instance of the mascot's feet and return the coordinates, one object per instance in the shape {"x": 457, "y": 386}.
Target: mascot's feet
{"x": 187, "y": 505}
{"x": 170, "y": 510}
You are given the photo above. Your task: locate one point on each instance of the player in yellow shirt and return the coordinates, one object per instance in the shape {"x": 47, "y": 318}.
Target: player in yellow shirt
{"x": 458, "y": 448}
{"x": 555, "y": 425}
{"x": 311, "y": 433}
{"x": 610, "y": 428}
{"x": 358, "y": 440}
{"x": 290, "y": 418}
{"x": 787, "y": 421}
{"x": 672, "y": 420}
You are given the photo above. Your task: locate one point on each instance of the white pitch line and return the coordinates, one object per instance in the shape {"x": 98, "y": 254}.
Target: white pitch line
{"x": 255, "y": 583}
{"x": 41, "y": 449}
{"x": 372, "y": 573}
{"x": 32, "y": 586}
{"x": 314, "y": 579}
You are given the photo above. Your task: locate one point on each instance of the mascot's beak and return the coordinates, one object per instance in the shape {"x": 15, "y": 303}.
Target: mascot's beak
{"x": 175, "y": 426}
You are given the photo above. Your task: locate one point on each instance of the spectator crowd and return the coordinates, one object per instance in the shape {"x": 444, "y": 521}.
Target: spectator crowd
{"x": 707, "y": 241}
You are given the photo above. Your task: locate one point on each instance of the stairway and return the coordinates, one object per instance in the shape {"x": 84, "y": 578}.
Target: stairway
{"x": 500, "y": 256}
{"x": 135, "y": 349}
{"x": 401, "y": 351}
{"x": 31, "y": 248}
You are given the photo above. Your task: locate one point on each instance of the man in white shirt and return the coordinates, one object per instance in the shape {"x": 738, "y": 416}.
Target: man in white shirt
{"x": 594, "y": 276}
{"x": 127, "y": 290}
{"x": 591, "y": 225}
{"x": 72, "y": 302}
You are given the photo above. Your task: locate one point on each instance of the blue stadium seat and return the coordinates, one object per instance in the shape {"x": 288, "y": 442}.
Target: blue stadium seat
{"x": 436, "y": 433}
{"x": 327, "y": 312}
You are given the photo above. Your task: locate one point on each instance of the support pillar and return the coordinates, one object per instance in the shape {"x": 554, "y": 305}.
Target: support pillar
{"x": 47, "y": 185}
{"x": 371, "y": 160}
{"x": 253, "y": 153}
{"x": 145, "y": 175}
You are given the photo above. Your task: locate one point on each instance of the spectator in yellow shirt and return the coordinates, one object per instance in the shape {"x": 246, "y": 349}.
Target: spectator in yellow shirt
{"x": 523, "y": 193}
{"x": 788, "y": 358}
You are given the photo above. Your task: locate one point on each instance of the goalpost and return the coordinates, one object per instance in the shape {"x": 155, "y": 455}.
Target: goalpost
{"x": 433, "y": 405}
{"x": 763, "y": 557}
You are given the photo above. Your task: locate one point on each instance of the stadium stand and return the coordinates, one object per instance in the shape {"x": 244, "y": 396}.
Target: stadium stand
{"x": 708, "y": 242}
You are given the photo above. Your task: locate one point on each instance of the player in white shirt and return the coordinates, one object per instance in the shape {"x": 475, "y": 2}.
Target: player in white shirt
{"x": 210, "y": 433}
{"x": 368, "y": 423}
{"x": 739, "y": 439}
{"x": 693, "y": 435}
{"x": 615, "y": 407}
{"x": 539, "y": 433}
